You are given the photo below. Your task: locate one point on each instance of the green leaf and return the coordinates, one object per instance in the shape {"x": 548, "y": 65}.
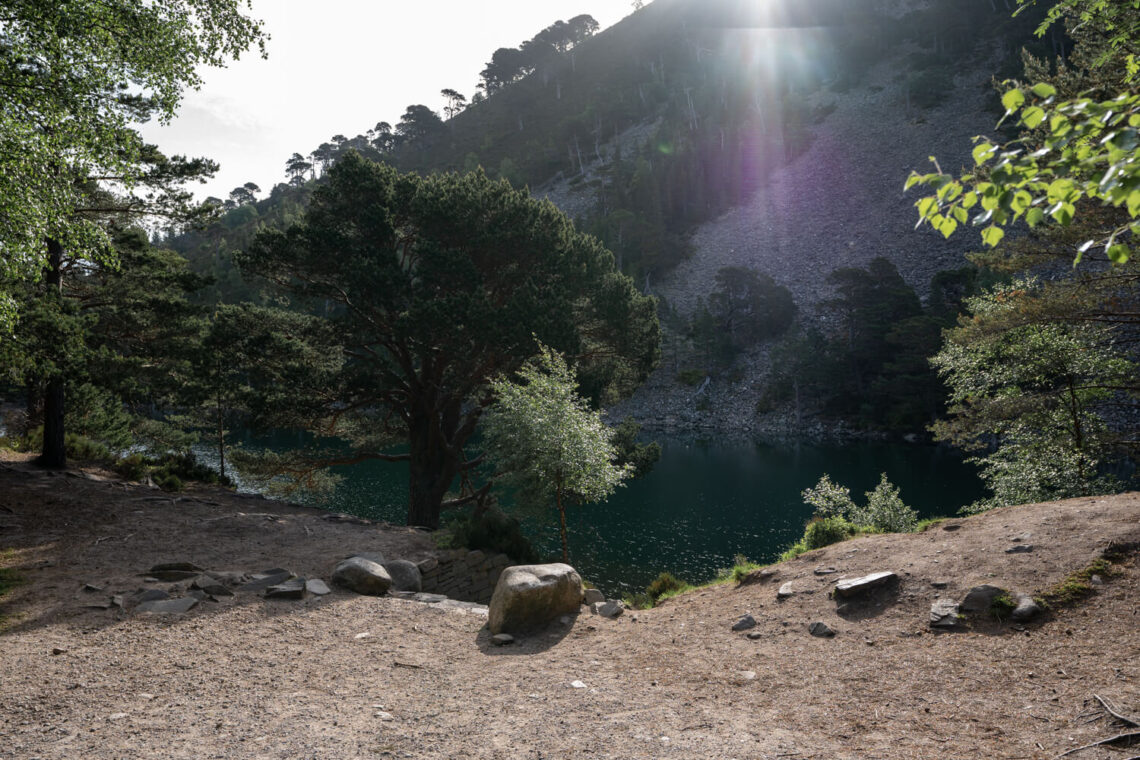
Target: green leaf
{"x": 1013, "y": 100}
{"x": 927, "y": 206}
{"x": 1043, "y": 90}
{"x": 1032, "y": 116}
{"x": 1118, "y": 254}
{"x": 1034, "y": 216}
{"x": 1060, "y": 190}
{"x": 948, "y": 226}
{"x": 992, "y": 235}
{"x": 984, "y": 152}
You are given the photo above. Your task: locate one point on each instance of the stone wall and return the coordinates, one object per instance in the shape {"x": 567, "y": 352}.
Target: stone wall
{"x": 469, "y": 576}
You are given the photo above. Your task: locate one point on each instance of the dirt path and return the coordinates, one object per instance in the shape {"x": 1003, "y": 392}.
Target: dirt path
{"x": 345, "y": 676}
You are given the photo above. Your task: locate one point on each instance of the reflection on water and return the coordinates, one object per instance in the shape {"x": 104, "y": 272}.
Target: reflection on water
{"x": 703, "y": 504}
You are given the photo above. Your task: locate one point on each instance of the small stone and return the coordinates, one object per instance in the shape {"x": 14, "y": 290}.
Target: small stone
{"x": 611, "y": 609}
{"x": 821, "y": 630}
{"x": 1026, "y": 608}
{"x": 939, "y": 584}
{"x": 385, "y": 715}
{"x": 317, "y": 587}
{"x": 786, "y": 591}
{"x": 855, "y": 586}
{"x": 944, "y": 614}
{"x": 502, "y": 639}
{"x": 116, "y": 716}
{"x": 825, "y": 571}
{"x": 747, "y": 675}
{"x": 1096, "y": 580}
{"x": 578, "y": 684}
{"x": 1019, "y": 549}
{"x": 91, "y": 587}
{"x": 744, "y": 623}
{"x": 56, "y": 651}
{"x": 755, "y": 635}
{"x": 594, "y": 596}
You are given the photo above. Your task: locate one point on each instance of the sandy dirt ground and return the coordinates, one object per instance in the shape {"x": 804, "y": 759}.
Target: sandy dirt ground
{"x": 341, "y": 676}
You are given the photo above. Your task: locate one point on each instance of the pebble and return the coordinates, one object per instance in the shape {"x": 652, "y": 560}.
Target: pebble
{"x": 821, "y": 630}
{"x": 502, "y": 639}
{"x": 744, "y": 623}
{"x": 578, "y": 684}
{"x": 786, "y": 591}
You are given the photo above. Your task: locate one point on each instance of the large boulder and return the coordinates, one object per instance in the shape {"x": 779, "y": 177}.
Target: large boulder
{"x": 406, "y": 575}
{"x": 362, "y": 576}
{"x": 530, "y": 596}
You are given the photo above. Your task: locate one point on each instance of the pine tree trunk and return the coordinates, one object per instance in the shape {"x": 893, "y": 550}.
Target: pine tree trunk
{"x": 431, "y": 471}
{"x": 54, "y": 453}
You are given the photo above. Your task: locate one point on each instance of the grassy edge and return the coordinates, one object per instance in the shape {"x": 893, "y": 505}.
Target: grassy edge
{"x": 1077, "y": 585}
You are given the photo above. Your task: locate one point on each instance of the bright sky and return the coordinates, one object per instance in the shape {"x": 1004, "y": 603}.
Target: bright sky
{"x": 341, "y": 66}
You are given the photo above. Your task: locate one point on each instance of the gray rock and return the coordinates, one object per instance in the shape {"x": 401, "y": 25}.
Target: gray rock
{"x": 1026, "y": 609}
{"x": 91, "y": 587}
{"x": 376, "y": 557}
{"x": 825, "y": 571}
{"x": 100, "y": 604}
{"x": 594, "y": 596}
{"x": 981, "y": 598}
{"x": 317, "y": 587}
{"x": 611, "y": 609}
{"x": 530, "y": 596}
{"x": 1019, "y": 549}
{"x": 821, "y": 630}
{"x": 151, "y": 595}
{"x": 362, "y": 576}
{"x": 211, "y": 586}
{"x": 262, "y": 581}
{"x": 939, "y": 584}
{"x": 1096, "y": 580}
{"x": 786, "y": 591}
{"x": 168, "y": 606}
{"x": 502, "y": 639}
{"x": 855, "y": 586}
{"x": 405, "y": 575}
{"x": 944, "y": 614}
{"x": 294, "y": 588}
{"x": 744, "y": 623}
{"x": 754, "y": 635}
{"x": 427, "y": 565}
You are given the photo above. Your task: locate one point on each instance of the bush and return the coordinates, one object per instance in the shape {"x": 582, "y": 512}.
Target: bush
{"x": 134, "y": 467}
{"x": 829, "y": 499}
{"x": 826, "y": 531}
{"x": 666, "y": 583}
{"x": 886, "y": 512}
{"x": 492, "y": 531}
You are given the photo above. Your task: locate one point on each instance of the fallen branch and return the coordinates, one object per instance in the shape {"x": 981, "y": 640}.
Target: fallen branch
{"x": 1111, "y": 740}
{"x": 1132, "y": 721}
{"x": 398, "y": 664}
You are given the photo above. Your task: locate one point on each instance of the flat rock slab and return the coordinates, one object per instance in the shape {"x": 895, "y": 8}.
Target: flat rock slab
{"x": 262, "y": 581}
{"x": 294, "y": 588}
{"x": 610, "y": 609}
{"x": 211, "y": 586}
{"x": 855, "y": 586}
{"x": 172, "y": 572}
{"x": 944, "y": 614}
{"x": 168, "y": 606}
{"x": 317, "y": 587}
{"x": 1019, "y": 549}
{"x": 427, "y": 598}
{"x": 152, "y": 595}
{"x": 786, "y": 591}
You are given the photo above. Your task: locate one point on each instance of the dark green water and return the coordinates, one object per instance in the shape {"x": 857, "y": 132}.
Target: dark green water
{"x": 701, "y": 505}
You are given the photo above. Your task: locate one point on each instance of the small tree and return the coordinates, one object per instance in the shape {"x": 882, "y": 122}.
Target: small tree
{"x": 545, "y": 440}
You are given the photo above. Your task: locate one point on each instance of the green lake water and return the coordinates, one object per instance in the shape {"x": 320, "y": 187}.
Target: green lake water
{"x": 702, "y": 504}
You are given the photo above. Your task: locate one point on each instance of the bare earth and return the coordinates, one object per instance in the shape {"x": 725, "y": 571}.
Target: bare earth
{"x": 252, "y": 678}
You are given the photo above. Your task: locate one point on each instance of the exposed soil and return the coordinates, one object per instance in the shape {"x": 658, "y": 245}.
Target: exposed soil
{"x": 252, "y": 678}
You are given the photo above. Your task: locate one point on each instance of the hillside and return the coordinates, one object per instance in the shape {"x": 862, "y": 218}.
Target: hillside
{"x": 344, "y": 676}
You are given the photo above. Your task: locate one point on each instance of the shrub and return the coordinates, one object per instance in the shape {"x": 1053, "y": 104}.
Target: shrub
{"x": 826, "y": 531}
{"x": 133, "y": 467}
{"x": 829, "y": 499}
{"x": 666, "y": 583}
{"x": 886, "y": 512}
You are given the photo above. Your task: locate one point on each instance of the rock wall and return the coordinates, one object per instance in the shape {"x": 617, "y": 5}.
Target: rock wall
{"x": 469, "y": 576}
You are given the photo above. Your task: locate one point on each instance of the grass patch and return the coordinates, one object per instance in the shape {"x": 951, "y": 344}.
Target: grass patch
{"x": 1077, "y": 586}
{"x": 1002, "y": 607}
{"x": 928, "y": 523}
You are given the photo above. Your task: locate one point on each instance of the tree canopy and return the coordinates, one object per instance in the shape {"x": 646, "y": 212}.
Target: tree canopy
{"x": 434, "y": 286}
{"x": 75, "y": 77}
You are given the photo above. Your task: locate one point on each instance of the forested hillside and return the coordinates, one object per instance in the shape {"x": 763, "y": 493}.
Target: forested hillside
{"x": 692, "y": 138}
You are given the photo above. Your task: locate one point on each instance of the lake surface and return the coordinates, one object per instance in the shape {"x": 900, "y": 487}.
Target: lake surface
{"x": 702, "y": 504}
